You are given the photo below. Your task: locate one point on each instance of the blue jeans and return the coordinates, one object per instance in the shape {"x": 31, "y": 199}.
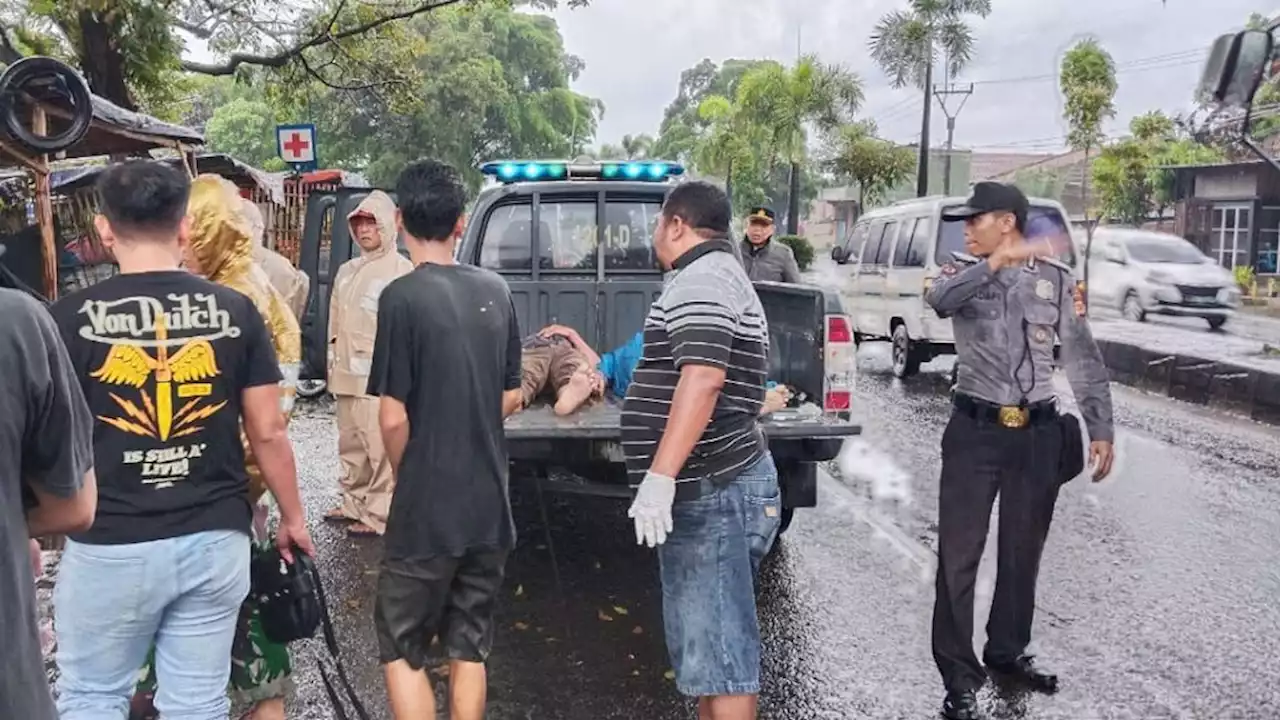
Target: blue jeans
{"x": 112, "y": 601}
{"x": 708, "y": 567}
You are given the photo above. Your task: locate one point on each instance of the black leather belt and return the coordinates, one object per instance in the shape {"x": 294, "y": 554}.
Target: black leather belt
{"x": 1009, "y": 416}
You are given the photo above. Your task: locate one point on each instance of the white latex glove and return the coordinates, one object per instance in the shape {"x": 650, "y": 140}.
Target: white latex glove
{"x": 652, "y": 509}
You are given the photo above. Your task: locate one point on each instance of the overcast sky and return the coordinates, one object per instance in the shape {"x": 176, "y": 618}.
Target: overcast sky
{"x": 635, "y": 51}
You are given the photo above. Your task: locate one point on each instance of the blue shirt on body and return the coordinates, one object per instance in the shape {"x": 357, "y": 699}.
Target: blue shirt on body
{"x": 619, "y": 364}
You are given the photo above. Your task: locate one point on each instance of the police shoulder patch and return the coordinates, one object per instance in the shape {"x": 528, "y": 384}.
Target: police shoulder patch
{"x": 949, "y": 269}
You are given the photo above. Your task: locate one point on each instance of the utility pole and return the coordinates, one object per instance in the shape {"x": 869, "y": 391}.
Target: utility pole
{"x": 922, "y": 167}
{"x": 942, "y": 92}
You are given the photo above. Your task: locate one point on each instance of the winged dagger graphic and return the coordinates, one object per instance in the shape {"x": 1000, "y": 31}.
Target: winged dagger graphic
{"x": 131, "y": 365}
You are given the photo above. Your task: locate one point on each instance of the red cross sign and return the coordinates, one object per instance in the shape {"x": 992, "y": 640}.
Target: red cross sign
{"x": 297, "y": 143}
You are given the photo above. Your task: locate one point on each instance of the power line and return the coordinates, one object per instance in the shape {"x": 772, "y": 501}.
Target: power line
{"x": 1155, "y": 62}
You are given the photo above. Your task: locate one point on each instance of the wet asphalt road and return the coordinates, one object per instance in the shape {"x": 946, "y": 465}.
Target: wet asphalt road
{"x": 1160, "y": 588}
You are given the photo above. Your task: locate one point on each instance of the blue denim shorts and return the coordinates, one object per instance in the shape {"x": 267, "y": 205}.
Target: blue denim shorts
{"x": 708, "y": 567}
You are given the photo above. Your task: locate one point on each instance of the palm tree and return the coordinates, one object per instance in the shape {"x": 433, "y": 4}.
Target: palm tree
{"x": 729, "y": 146}
{"x": 785, "y": 102}
{"x": 905, "y": 44}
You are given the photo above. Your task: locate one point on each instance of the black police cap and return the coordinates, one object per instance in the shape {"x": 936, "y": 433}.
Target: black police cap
{"x": 989, "y": 197}
{"x": 762, "y": 212}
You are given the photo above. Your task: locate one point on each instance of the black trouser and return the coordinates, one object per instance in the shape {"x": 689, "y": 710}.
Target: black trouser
{"x": 979, "y": 459}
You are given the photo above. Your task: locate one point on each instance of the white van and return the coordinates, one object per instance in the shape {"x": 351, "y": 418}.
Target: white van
{"x": 1144, "y": 273}
{"x": 893, "y": 253}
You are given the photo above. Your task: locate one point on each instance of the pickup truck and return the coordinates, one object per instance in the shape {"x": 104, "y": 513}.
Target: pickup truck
{"x": 575, "y": 249}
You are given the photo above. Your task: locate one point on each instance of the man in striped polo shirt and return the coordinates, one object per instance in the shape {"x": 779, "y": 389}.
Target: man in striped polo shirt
{"x": 708, "y": 490}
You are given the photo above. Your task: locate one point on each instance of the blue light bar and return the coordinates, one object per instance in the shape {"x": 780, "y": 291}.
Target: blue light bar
{"x": 511, "y": 171}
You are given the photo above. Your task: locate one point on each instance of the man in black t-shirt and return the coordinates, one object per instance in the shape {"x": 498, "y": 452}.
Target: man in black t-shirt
{"x": 446, "y": 364}
{"x": 170, "y": 364}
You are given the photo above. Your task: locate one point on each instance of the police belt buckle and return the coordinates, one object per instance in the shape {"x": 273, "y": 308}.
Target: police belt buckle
{"x": 1014, "y": 417}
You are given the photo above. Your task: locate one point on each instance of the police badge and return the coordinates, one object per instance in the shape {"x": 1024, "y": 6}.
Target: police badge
{"x": 1044, "y": 289}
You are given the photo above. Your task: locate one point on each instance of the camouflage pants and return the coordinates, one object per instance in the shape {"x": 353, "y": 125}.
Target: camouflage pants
{"x": 260, "y": 669}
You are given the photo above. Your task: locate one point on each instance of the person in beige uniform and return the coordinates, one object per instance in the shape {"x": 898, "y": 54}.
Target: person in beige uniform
{"x": 353, "y": 320}
{"x": 292, "y": 284}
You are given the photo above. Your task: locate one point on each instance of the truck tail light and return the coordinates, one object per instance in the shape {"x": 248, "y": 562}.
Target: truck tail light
{"x": 839, "y": 365}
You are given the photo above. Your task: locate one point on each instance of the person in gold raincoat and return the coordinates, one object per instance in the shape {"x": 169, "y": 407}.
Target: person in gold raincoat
{"x": 353, "y": 320}
{"x": 221, "y": 249}
{"x": 292, "y": 284}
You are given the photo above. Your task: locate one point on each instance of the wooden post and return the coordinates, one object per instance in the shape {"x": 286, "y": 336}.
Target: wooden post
{"x": 44, "y": 211}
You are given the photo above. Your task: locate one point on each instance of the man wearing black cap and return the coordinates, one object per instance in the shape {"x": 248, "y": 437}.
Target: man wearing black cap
{"x": 763, "y": 258}
{"x": 1008, "y": 299}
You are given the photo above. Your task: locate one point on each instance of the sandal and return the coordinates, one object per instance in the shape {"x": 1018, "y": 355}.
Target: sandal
{"x": 337, "y": 516}
{"x": 361, "y": 530}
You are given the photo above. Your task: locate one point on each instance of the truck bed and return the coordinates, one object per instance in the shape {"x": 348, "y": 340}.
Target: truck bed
{"x": 603, "y": 421}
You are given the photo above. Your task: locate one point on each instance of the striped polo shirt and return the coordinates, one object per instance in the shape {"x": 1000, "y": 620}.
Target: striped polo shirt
{"x": 708, "y": 314}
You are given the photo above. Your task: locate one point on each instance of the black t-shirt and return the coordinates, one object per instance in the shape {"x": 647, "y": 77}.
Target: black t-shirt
{"x": 45, "y": 445}
{"x": 448, "y": 345}
{"x": 163, "y": 358}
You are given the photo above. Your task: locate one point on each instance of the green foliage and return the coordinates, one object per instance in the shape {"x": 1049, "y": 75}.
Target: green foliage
{"x": 905, "y": 42}
{"x": 1129, "y": 175}
{"x": 1088, "y": 84}
{"x": 683, "y": 125}
{"x": 491, "y": 83}
{"x": 131, "y": 50}
{"x": 1246, "y": 279}
{"x": 874, "y": 165}
{"x": 246, "y": 130}
{"x": 801, "y": 247}
{"x": 783, "y": 102}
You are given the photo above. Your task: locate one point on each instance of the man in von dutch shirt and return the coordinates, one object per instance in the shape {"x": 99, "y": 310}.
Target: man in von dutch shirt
{"x": 170, "y": 364}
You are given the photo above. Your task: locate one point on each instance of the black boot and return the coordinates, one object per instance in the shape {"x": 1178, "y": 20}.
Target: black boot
{"x": 961, "y": 705}
{"x": 1023, "y": 671}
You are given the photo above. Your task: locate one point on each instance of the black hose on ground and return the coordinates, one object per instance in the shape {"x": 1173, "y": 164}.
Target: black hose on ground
{"x": 49, "y": 80}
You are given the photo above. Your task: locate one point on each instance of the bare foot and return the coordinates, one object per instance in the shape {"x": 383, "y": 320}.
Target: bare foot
{"x": 573, "y": 394}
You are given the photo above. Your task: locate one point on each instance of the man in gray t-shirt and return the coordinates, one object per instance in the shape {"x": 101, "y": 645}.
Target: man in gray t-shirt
{"x": 46, "y": 484}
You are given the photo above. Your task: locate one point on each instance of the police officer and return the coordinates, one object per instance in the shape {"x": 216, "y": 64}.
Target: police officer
{"x": 763, "y": 258}
{"x": 1008, "y": 299}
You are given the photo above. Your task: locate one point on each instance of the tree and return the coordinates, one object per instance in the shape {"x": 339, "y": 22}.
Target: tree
{"x": 636, "y": 147}
{"x": 875, "y": 165}
{"x": 729, "y": 146}
{"x": 246, "y": 130}
{"x": 905, "y": 44}
{"x": 683, "y": 125}
{"x": 131, "y": 50}
{"x": 1088, "y": 85}
{"x": 492, "y": 83}
{"x": 1130, "y": 174}
{"x": 783, "y": 102}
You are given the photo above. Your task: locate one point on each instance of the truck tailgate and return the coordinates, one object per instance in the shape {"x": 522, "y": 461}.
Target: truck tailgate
{"x": 603, "y": 421}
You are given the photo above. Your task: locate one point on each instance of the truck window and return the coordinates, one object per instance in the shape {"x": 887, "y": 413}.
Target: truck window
{"x": 1043, "y": 222}
{"x": 508, "y": 238}
{"x": 572, "y": 242}
{"x": 855, "y": 240}
{"x": 911, "y": 249}
{"x": 568, "y": 238}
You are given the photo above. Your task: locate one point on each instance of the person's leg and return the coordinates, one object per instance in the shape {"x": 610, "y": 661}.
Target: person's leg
{"x": 1027, "y": 498}
{"x": 193, "y": 646}
{"x": 708, "y": 604}
{"x": 762, "y": 507}
{"x": 381, "y": 479}
{"x": 967, "y": 489}
{"x": 261, "y": 670}
{"x": 108, "y": 602}
{"x": 351, "y": 457}
{"x": 467, "y": 630}
{"x": 570, "y": 375}
{"x": 408, "y": 609}
{"x": 535, "y": 367}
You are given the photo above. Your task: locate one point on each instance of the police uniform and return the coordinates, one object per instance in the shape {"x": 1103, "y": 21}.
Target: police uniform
{"x": 773, "y": 261}
{"x": 1005, "y": 437}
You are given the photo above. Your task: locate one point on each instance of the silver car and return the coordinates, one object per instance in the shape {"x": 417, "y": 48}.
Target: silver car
{"x": 1141, "y": 273}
